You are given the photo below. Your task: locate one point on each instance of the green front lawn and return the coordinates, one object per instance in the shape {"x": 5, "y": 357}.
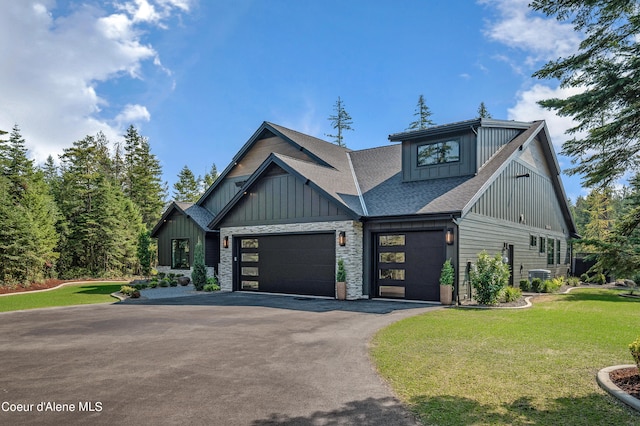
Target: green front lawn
{"x": 504, "y": 367}
{"x": 80, "y": 294}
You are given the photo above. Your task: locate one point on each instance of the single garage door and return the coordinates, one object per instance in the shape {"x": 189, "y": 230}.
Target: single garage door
{"x": 408, "y": 264}
{"x": 294, "y": 264}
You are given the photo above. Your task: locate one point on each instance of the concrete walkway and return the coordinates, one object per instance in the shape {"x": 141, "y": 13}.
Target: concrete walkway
{"x": 213, "y": 359}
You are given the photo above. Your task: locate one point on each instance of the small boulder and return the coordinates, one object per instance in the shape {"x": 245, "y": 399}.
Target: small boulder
{"x": 184, "y": 280}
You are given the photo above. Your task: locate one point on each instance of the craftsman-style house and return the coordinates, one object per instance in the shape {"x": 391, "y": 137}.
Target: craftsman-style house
{"x": 289, "y": 206}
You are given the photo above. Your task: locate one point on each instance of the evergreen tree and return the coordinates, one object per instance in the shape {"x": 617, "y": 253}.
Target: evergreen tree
{"x": 144, "y": 252}
{"x": 199, "y": 274}
{"x": 142, "y": 177}
{"x": 210, "y": 177}
{"x": 340, "y": 121}
{"x": 102, "y": 224}
{"x": 483, "y": 112}
{"x": 187, "y": 188}
{"x": 606, "y": 69}
{"x": 423, "y": 114}
{"x": 29, "y": 216}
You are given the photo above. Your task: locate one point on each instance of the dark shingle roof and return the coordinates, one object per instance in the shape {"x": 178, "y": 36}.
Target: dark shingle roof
{"x": 201, "y": 216}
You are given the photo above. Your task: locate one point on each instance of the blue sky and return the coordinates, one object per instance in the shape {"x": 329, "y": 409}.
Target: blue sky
{"x": 199, "y": 77}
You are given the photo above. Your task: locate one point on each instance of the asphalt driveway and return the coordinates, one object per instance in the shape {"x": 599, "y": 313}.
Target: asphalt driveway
{"x": 218, "y": 359}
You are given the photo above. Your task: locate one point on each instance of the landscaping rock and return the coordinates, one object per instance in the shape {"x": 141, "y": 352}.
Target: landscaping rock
{"x": 184, "y": 280}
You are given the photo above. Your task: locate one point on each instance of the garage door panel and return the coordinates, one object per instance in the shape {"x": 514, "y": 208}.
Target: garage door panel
{"x": 408, "y": 264}
{"x": 295, "y": 264}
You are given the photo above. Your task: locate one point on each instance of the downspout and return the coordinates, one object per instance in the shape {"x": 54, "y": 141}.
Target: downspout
{"x": 456, "y": 283}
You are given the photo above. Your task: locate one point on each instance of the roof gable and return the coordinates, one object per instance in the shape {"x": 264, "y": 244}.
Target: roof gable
{"x": 304, "y": 172}
{"x": 199, "y": 215}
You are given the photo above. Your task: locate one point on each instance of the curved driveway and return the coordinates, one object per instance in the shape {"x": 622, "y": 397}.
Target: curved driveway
{"x": 215, "y": 359}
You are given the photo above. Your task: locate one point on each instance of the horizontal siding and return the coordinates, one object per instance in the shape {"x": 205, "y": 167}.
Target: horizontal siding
{"x": 282, "y": 199}
{"x": 478, "y": 233}
{"x": 178, "y": 226}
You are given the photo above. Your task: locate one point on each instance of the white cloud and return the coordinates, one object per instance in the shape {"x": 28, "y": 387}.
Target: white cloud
{"x": 527, "y": 109}
{"x": 50, "y": 80}
{"x": 519, "y": 27}
{"x": 133, "y": 113}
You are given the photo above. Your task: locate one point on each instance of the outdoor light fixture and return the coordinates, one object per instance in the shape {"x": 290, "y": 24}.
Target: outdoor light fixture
{"x": 449, "y": 236}
{"x": 342, "y": 238}
{"x": 225, "y": 242}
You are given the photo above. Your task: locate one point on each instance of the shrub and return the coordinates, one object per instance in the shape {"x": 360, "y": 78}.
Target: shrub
{"x": 341, "y": 275}
{"x": 161, "y": 275}
{"x": 525, "y": 285}
{"x": 211, "y": 287}
{"x": 127, "y": 290}
{"x": 153, "y": 284}
{"x": 598, "y": 279}
{"x": 173, "y": 283}
{"x": 212, "y": 280}
{"x": 511, "y": 294}
{"x": 634, "y": 347}
{"x": 447, "y": 273}
{"x": 584, "y": 278}
{"x": 199, "y": 274}
{"x": 488, "y": 277}
{"x": 171, "y": 275}
{"x": 550, "y": 286}
{"x": 163, "y": 283}
{"x": 573, "y": 281}
{"x": 536, "y": 285}
{"x": 135, "y": 294}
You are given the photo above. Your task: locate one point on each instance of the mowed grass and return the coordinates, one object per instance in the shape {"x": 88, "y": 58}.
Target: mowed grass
{"x": 533, "y": 366}
{"x": 80, "y": 294}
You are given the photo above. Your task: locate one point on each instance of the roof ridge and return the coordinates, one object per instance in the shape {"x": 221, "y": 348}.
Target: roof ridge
{"x": 309, "y": 136}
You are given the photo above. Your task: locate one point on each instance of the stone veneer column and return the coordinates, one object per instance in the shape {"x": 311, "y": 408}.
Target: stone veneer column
{"x": 351, "y": 253}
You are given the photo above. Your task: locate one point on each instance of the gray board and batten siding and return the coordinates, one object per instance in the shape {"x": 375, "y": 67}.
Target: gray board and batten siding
{"x": 178, "y": 226}
{"x": 279, "y": 197}
{"x": 244, "y": 167}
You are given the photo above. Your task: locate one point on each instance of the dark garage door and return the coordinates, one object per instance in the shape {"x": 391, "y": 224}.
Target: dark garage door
{"x": 408, "y": 264}
{"x": 294, "y": 264}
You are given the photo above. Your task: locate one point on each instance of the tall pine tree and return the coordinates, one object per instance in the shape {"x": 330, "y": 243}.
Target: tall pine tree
{"x": 341, "y": 121}
{"x": 187, "y": 188}
{"x": 143, "y": 177}
{"x": 423, "y": 114}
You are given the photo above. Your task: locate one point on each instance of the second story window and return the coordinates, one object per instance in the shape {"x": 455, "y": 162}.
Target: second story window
{"x": 439, "y": 153}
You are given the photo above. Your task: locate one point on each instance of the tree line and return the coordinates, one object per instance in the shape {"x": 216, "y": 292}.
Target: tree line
{"x": 84, "y": 217}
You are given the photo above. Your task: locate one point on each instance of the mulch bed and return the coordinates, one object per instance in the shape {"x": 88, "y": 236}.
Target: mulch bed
{"x": 627, "y": 379}
{"x": 34, "y": 286}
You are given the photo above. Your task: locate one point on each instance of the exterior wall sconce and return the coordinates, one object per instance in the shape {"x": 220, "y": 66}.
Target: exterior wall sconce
{"x": 449, "y": 236}
{"x": 342, "y": 238}
{"x": 523, "y": 175}
{"x": 225, "y": 242}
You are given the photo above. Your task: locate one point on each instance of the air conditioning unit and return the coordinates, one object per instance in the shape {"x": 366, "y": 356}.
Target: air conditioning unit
{"x": 543, "y": 274}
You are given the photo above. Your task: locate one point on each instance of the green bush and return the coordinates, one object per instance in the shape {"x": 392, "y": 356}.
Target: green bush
{"x": 584, "y": 278}
{"x": 135, "y": 294}
{"x": 573, "y": 281}
{"x": 161, "y": 275}
{"x": 163, "y": 283}
{"x": 525, "y": 285}
{"x": 488, "y": 277}
{"x": 127, "y": 290}
{"x": 341, "y": 275}
{"x": 536, "y": 285}
{"x": 447, "y": 273}
{"x": 511, "y": 294}
{"x": 211, "y": 287}
{"x": 153, "y": 284}
{"x": 212, "y": 280}
{"x": 634, "y": 347}
{"x": 173, "y": 283}
{"x": 550, "y": 286}
{"x": 598, "y": 279}
{"x": 199, "y": 274}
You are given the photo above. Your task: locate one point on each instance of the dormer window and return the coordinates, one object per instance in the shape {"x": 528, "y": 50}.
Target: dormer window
{"x": 439, "y": 153}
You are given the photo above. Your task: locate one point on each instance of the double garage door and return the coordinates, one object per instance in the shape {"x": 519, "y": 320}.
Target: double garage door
{"x": 294, "y": 264}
